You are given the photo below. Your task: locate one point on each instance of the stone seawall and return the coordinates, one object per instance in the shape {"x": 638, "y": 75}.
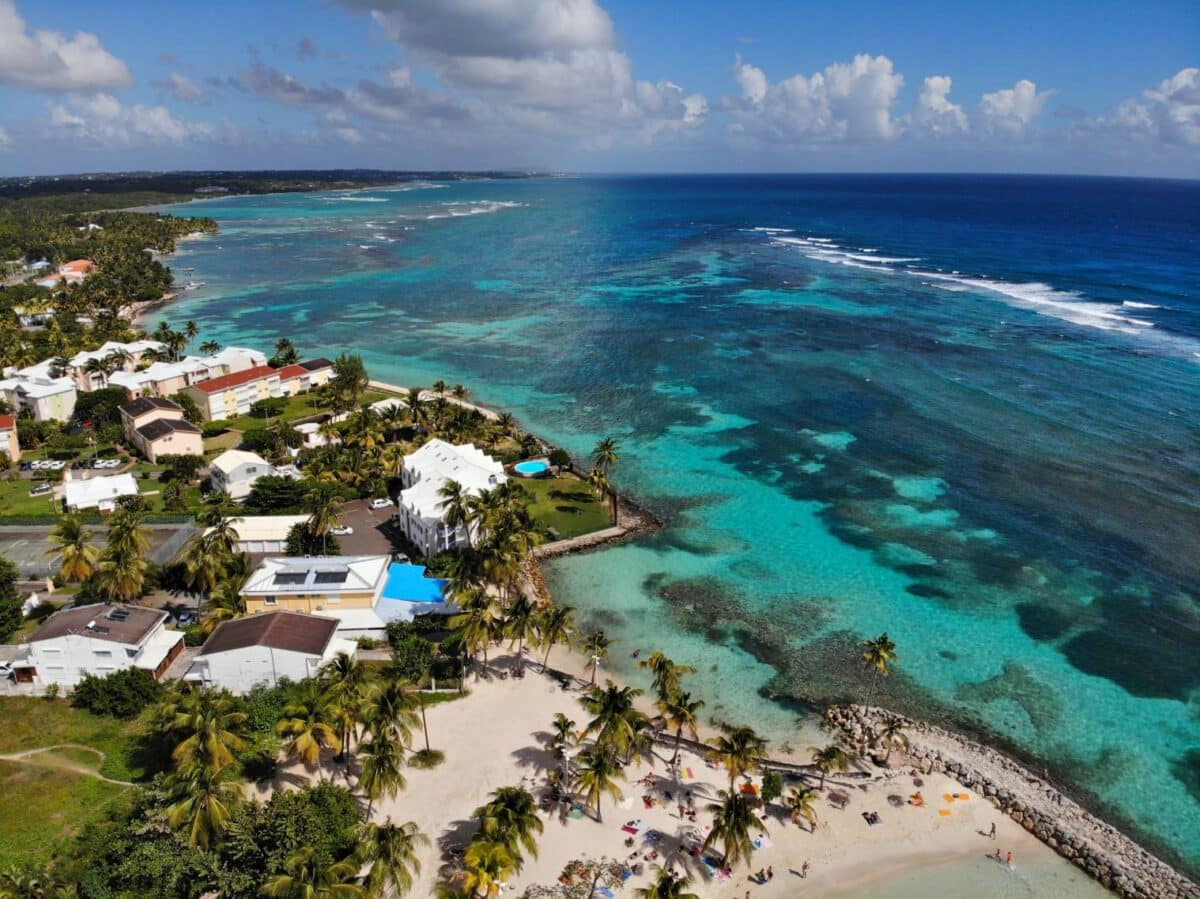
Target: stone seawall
{"x": 1096, "y": 847}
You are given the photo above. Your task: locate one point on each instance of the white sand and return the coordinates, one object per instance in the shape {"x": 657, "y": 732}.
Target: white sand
{"x": 493, "y": 738}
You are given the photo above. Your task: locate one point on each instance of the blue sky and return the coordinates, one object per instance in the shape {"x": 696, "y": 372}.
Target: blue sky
{"x": 601, "y": 85}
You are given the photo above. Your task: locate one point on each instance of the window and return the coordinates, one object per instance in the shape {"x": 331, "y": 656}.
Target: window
{"x": 270, "y": 600}
{"x": 102, "y": 653}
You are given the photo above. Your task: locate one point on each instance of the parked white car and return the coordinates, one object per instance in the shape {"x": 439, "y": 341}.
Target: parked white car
{"x": 380, "y": 503}
{"x": 342, "y": 530}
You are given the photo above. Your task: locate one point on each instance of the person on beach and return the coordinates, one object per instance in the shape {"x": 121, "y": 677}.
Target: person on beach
{"x": 992, "y": 833}
{"x": 997, "y": 856}
{"x": 770, "y": 873}
{"x": 804, "y": 869}
{"x": 1009, "y": 861}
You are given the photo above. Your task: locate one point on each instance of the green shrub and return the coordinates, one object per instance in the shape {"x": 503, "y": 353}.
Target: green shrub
{"x": 269, "y": 407}
{"x": 122, "y": 694}
{"x": 258, "y": 440}
{"x": 560, "y": 457}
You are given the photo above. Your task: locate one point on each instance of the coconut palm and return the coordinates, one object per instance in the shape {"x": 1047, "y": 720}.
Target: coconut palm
{"x": 388, "y": 709}
{"x": 799, "y": 803}
{"x": 415, "y": 406}
{"x": 456, "y": 509}
{"x": 489, "y": 865}
{"x": 310, "y": 724}
{"x": 554, "y": 625}
{"x": 597, "y": 773}
{"x": 348, "y": 679}
{"x": 285, "y": 352}
{"x": 666, "y": 673}
{"x": 878, "y": 655}
{"x": 891, "y": 735}
{"x": 738, "y": 749}
{"x": 666, "y": 886}
{"x": 204, "y": 568}
{"x": 224, "y": 604}
{"x": 71, "y": 540}
{"x": 191, "y": 330}
{"x": 209, "y": 728}
{"x": 520, "y": 624}
{"x": 308, "y": 877}
{"x": 616, "y": 723}
{"x": 481, "y": 621}
{"x": 121, "y": 576}
{"x": 126, "y": 536}
{"x": 210, "y": 347}
{"x": 829, "y": 758}
{"x": 562, "y": 734}
{"x": 598, "y": 480}
{"x": 382, "y": 768}
{"x": 204, "y": 799}
{"x": 679, "y": 710}
{"x": 605, "y": 456}
{"x": 734, "y": 819}
{"x": 511, "y": 817}
{"x": 324, "y": 508}
{"x": 595, "y": 647}
{"x": 391, "y": 851}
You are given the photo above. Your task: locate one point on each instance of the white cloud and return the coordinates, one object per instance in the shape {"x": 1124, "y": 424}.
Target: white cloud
{"x": 179, "y": 86}
{"x": 1170, "y": 112}
{"x": 933, "y": 112}
{"x": 103, "y": 120}
{"x": 5, "y": 140}
{"x": 1011, "y": 111}
{"x": 49, "y": 60}
{"x": 845, "y": 101}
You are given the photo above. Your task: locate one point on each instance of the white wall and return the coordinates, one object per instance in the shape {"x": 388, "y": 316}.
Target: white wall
{"x": 238, "y": 670}
{"x": 65, "y": 660}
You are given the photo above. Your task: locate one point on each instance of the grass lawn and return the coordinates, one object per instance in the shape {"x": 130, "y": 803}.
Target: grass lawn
{"x": 214, "y": 446}
{"x": 15, "y": 498}
{"x": 566, "y": 505}
{"x": 41, "y": 806}
{"x": 29, "y": 722}
{"x": 302, "y": 406}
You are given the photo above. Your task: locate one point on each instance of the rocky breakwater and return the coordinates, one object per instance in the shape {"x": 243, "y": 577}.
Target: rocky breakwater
{"x": 1098, "y": 848}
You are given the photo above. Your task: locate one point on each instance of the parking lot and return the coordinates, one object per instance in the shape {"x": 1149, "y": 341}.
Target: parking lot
{"x": 367, "y": 539}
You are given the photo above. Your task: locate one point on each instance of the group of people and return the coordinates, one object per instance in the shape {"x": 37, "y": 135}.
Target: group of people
{"x": 871, "y": 818}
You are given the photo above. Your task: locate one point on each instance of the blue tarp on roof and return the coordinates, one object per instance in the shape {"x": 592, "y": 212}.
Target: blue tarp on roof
{"x": 409, "y": 583}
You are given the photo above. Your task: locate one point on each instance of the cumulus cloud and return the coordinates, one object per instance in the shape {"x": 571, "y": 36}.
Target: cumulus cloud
{"x": 845, "y": 101}
{"x": 103, "y": 120}
{"x": 1011, "y": 111}
{"x": 276, "y": 85}
{"x": 1170, "y": 112}
{"x": 179, "y": 86}
{"x": 5, "y": 140}
{"x": 933, "y": 112}
{"x": 542, "y": 64}
{"x": 49, "y": 60}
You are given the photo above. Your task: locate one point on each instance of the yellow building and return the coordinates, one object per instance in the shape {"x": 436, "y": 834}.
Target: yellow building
{"x": 316, "y": 585}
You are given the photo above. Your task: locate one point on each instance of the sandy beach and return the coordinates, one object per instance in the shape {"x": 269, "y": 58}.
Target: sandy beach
{"x": 494, "y": 737}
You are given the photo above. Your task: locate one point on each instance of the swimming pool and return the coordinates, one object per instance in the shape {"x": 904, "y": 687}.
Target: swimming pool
{"x": 532, "y": 468}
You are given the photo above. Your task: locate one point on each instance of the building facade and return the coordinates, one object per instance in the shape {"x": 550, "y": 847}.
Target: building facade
{"x": 235, "y": 471}
{"x": 157, "y": 427}
{"x": 8, "y": 438}
{"x": 232, "y": 395}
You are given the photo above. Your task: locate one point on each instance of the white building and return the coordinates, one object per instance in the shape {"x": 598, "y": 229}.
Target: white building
{"x": 99, "y": 493}
{"x": 265, "y": 534}
{"x": 98, "y": 640}
{"x": 420, "y": 508}
{"x": 166, "y": 378}
{"x": 46, "y": 397}
{"x": 265, "y": 649}
{"x": 235, "y": 471}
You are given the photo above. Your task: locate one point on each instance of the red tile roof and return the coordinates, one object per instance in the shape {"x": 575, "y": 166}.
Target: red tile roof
{"x": 7, "y": 422}
{"x": 79, "y": 265}
{"x": 292, "y": 371}
{"x": 215, "y": 385}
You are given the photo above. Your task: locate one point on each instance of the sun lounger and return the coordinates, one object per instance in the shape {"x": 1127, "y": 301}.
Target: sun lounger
{"x": 634, "y": 827}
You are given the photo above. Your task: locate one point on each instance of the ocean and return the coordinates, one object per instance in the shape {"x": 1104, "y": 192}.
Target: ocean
{"x": 962, "y": 410}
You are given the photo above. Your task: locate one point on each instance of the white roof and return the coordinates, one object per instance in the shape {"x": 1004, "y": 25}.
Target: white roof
{"x": 229, "y": 460}
{"x": 40, "y": 387}
{"x": 437, "y": 462}
{"x": 235, "y": 354}
{"x": 266, "y": 527}
{"x": 318, "y": 574}
{"x": 95, "y": 491}
{"x": 112, "y": 346}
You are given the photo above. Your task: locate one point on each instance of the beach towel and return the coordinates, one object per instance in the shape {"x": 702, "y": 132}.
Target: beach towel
{"x": 712, "y": 862}
{"x": 689, "y": 773}
{"x": 653, "y": 836}
{"x": 634, "y": 827}
{"x": 762, "y": 841}
{"x": 945, "y": 812}
{"x": 723, "y": 875}
{"x": 603, "y": 891}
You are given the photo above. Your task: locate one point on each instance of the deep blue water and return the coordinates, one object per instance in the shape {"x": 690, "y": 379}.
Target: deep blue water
{"x": 962, "y": 410}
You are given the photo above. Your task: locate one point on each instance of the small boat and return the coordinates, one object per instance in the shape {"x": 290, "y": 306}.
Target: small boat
{"x": 192, "y": 285}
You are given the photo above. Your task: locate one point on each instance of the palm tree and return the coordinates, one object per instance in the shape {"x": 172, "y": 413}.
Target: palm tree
{"x": 829, "y": 758}
{"x": 97, "y": 369}
{"x": 307, "y": 878}
{"x": 348, "y": 679}
{"x": 324, "y": 508}
{"x": 597, "y": 774}
{"x": 190, "y": 330}
{"x": 391, "y": 851}
{"x": 310, "y": 724}
{"x": 520, "y": 624}
{"x": 666, "y": 886}
{"x": 599, "y": 483}
{"x": 224, "y": 604}
{"x": 734, "y": 819}
{"x": 388, "y": 709}
{"x": 595, "y": 647}
{"x": 489, "y": 864}
{"x": 209, "y": 727}
{"x": 71, "y": 540}
{"x": 285, "y": 351}
{"x": 210, "y": 347}
{"x": 415, "y": 406}
{"x": 456, "y": 509}
{"x": 204, "y": 799}
{"x": 679, "y": 710}
{"x": 562, "y": 734}
{"x": 892, "y": 735}
{"x": 17, "y": 883}
{"x": 605, "y": 456}
{"x": 616, "y": 723}
{"x": 511, "y": 817}
{"x": 481, "y": 621}
{"x": 799, "y": 803}
{"x": 204, "y": 567}
{"x": 382, "y": 768}
{"x": 554, "y": 625}
{"x": 878, "y": 655}
{"x": 126, "y": 536}
{"x": 666, "y": 673}
{"x": 738, "y": 750}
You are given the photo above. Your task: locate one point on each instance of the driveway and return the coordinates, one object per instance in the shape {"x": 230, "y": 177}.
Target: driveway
{"x": 368, "y": 539}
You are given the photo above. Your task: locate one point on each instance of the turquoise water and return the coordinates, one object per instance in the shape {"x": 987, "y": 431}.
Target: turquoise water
{"x": 959, "y": 410}
{"x": 534, "y": 467}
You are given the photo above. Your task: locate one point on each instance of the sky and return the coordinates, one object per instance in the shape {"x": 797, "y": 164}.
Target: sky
{"x": 1097, "y": 87}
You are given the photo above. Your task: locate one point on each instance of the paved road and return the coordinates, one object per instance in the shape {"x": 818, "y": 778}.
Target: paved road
{"x": 368, "y": 539}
